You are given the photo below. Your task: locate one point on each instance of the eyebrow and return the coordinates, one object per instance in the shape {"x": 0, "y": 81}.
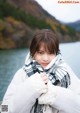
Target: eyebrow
{"x": 41, "y": 50}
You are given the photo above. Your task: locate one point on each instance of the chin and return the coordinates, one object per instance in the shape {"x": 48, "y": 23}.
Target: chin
{"x": 44, "y": 66}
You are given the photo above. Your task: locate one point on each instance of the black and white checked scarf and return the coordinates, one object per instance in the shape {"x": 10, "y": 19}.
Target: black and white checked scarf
{"x": 56, "y": 72}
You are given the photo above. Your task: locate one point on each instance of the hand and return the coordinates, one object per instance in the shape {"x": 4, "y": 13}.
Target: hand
{"x": 44, "y": 78}
{"x": 49, "y": 97}
{"x": 38, "y": 82}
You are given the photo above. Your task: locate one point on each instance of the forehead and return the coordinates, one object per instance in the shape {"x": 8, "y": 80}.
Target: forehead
{"x": 43, "y": 47}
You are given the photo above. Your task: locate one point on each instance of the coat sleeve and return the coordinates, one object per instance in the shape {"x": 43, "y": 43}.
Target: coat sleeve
{"x": 65, "y": 100}
{"x": 23, "y": 92}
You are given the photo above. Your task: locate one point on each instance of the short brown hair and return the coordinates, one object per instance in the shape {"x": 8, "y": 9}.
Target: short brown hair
{"x": 48, "y": 38}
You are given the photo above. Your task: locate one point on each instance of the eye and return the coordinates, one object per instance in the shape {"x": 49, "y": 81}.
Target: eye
{"x": 41, "y": 52}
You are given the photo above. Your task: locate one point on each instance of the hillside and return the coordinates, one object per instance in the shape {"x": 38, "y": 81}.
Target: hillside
{"x": 20, "y": 18}
{"x": 75, "y": 25}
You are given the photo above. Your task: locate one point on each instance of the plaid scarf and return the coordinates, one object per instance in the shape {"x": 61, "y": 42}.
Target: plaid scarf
{"x": 56, "y": 72}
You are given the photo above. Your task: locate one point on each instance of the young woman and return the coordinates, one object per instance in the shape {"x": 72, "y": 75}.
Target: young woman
{"x": 45, "y": 84}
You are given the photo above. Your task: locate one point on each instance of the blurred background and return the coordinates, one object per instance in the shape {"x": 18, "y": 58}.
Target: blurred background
{"x": 18, "y": 21}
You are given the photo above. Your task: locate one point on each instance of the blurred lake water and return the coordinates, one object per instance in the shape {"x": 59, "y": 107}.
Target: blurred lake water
{"x": 12, "y": 60}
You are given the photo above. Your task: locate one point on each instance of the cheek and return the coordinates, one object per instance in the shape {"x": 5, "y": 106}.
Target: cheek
{"x": 52, "y": 57}
{"x": 36, "y": 57}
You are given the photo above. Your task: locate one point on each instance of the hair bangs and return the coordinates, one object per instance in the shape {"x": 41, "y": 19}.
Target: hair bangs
{"x": 47, "y": 44}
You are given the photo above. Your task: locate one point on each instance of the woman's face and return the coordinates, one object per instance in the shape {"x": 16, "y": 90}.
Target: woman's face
{"x": 43, "y": 57}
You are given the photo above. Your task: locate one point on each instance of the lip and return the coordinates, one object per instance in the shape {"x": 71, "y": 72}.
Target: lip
{"x": 45, "y": 64}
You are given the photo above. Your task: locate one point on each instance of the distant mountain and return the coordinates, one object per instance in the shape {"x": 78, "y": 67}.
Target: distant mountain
{"x": 20, "y": 18}
{"x": 75, "y": 25}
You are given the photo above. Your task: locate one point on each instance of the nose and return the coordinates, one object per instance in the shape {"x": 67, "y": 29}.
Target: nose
{"x": 46, "y": 57}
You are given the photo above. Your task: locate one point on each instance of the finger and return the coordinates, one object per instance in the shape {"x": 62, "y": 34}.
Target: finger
{"x": 43, "y": 74}
{"x": 44, "y": 78}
